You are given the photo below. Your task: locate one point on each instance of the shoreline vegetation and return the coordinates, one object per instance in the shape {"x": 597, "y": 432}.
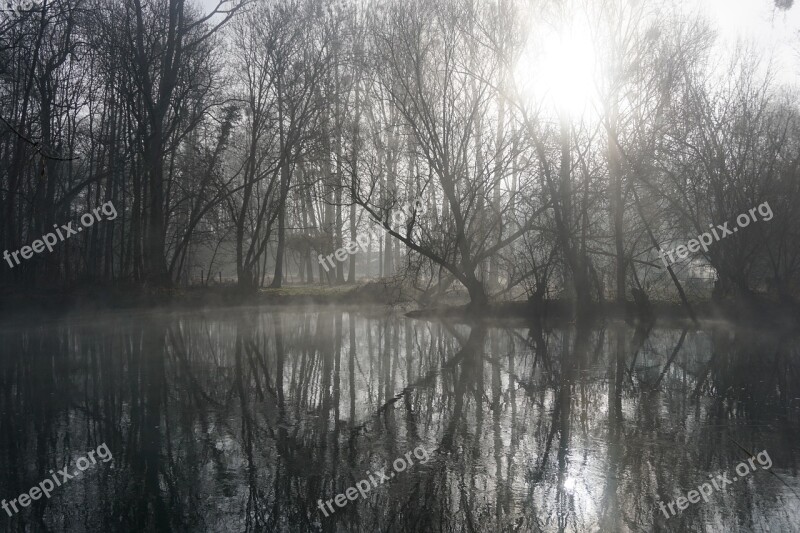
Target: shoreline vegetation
{"x": 95, "y": 298}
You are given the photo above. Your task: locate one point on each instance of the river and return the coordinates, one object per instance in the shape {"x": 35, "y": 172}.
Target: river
{"x": 251, "y": 419}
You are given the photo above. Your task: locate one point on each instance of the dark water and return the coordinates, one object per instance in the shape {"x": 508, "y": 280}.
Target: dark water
{"x": 241, "y": 420}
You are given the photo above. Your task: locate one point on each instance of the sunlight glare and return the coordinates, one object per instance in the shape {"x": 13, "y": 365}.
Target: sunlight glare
{"x": 559, "y": 67}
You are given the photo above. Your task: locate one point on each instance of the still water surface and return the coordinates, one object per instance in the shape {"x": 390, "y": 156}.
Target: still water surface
{"x": 242, "y": 419}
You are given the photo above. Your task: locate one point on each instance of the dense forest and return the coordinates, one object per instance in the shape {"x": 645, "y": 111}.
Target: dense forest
{"x": 254, "y": 138}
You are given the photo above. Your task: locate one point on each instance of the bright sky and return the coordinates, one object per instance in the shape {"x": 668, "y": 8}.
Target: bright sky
{"x": 757, "y": 22}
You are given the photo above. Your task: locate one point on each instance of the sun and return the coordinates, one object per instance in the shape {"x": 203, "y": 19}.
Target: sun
{"x": 559, "y": 67}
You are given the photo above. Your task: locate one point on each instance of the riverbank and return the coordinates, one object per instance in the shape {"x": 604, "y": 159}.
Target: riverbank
{"x": 760, "y": 312}
{"x": 98, "y": 298}
{"x": 52, "y": 304}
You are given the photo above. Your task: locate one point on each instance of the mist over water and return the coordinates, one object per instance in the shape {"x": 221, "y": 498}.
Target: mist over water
{"x": 242, "y": 420}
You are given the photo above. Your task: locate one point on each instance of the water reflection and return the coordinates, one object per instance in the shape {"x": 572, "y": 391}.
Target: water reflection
{"x": 242, "y": 420}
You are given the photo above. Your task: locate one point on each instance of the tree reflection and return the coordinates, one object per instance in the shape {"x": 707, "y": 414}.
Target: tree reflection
{"x": 244, "y": 420}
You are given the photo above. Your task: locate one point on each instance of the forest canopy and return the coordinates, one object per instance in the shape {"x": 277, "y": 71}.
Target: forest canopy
{"x": 557, "y": 146}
